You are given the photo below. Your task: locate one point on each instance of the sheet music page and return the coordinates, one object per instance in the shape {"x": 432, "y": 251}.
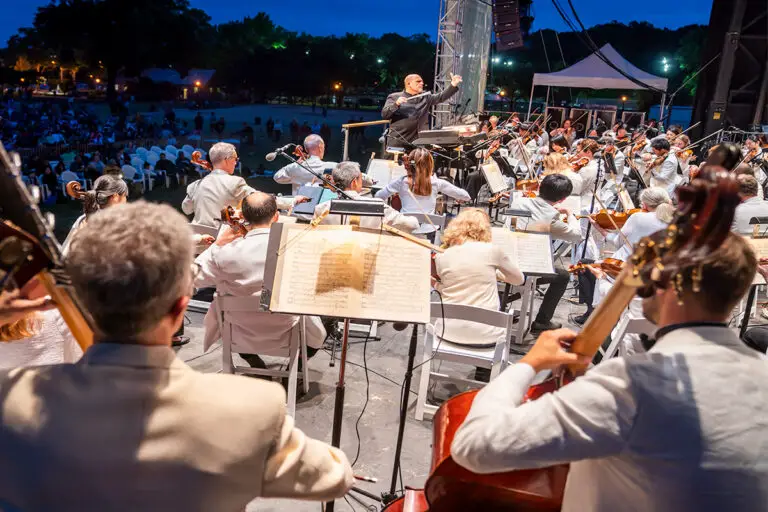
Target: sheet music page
{"x": 531, "y": 252}
{"x": 760, "y": 246}
{"x": 494, "y": 177}
{"x": 341, "y": 272}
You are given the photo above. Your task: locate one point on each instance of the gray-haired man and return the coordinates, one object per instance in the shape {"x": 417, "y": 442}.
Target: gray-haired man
{"x": 296, "y": 175}
{"x": 130, "y": 426}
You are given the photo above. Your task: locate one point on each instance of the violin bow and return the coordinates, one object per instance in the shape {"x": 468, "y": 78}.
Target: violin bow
{"x": 615, "y": 226}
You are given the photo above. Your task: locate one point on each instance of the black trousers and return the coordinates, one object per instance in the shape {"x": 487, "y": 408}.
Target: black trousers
{"x": 587, "y": 282}
{"x": 557, "y": 286}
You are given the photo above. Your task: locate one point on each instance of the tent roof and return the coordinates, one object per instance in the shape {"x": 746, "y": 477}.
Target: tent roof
{"x": 593, "y": 73}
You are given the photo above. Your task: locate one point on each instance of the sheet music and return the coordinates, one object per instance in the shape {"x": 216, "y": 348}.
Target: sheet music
{"x": 384, "y": 172}
{"x": 493, "y": 176}
{"x": 340, "y": 272}
{"x": 760, "y": 246}
{"x": 531, "y": 252}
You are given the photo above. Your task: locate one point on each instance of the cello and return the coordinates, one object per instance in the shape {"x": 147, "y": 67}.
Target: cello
{"x": 667, "y": 258}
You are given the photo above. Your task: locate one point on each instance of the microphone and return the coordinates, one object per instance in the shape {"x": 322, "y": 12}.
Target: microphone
{"x": 271, "y": 156}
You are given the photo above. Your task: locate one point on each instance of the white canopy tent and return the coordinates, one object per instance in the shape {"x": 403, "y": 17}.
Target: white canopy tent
{"x": 593, "y": 73}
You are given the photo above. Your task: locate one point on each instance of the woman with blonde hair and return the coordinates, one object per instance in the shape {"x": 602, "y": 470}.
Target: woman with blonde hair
{"x": 555, "y": 163}
{"x": 467, "y": 273}
{"x": 419, "y": 188}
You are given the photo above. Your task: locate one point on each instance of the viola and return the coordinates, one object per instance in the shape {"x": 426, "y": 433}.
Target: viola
{"x": 197, "y": 159}
{"x": 234, "y": 219}
{"x": 671, "y": 256}
{"x": 658, "y": 161}
{"x": 611, "y": 266}
{"x": 603, "y": 218}
{"x": 527, "y": 186}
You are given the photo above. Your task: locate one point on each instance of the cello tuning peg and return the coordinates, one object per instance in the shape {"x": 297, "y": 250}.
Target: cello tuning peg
{"x": 34, "y": 191}
{"x": 50, "y": 219}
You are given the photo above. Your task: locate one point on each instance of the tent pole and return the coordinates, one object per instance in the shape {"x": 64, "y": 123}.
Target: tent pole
{"x": 530, "y": 102}
{"x": 661, "y": 108}
{"x": 546, "y": 102}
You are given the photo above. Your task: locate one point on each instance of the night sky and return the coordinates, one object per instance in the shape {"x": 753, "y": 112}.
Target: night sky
{"x": 325, "y": 17}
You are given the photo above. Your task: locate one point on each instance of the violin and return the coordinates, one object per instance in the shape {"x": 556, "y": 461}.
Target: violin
{"x": 668, "y": 258}
{"x": 579, "y": 163}
{"x": 528, "y": 187}
{"x": 197, "y": 159}
{"x": 603, "y": 218}
{"x": 234, "y": 219}
{"x": 658, "y": 161}
{"x": 611, "y": 266}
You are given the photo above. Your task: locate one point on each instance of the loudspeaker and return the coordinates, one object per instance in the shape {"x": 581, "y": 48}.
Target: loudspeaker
{"x": 511, "y": 22}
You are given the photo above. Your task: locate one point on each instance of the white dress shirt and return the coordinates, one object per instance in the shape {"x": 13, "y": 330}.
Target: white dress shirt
{"x": 468, "y": 276}
{"x": 206, "y": 197}
{"x": 237, "y": 269}
{"x": 297, "y": 176}
{"x": 681, "y": 428}
{"x": 546, "y": 218}
{"x": 665, "y": 177}
{"x": 413, "y": 203}
{"x": 638, "y": 226}
{"x": 752, "y": 207}
{"x": 588, "y": 175}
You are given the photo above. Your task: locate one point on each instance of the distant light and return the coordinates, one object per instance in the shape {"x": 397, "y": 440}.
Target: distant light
{"x": 502, "y": 93}
{"x": 198, "y": 83}
{"x": 53, "y": 62}
{"x": 664, "y": 60}
{"x": 98, "y": 80}
{"x": 23, "y": 79}
{"x": 623, "y": 98}
{"x": 509, "y": 63}
{"x": 337, "y": 86}
{"x": 496, "y": 60}
{"x": 352, "y": 56}
{"x": 306, "y": 52}
{"x": 379, "y": 60}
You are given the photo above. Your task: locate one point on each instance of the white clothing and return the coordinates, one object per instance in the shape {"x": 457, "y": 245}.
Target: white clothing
{"x": 206, "y": 197}
{"x": 413, "y": 203}
{"x": 53, "y": 343}
{"x": 391, "y": 216}
{"x": 752, "y": 207}
{"x": 237, "y": 269}
{"x": 297, "y": 176}
{"x": 664, "y": 177}
{"x": 680, "y": 428}
{"x": 588, "y": 175}
{"x": 545, "y": 218}
{"x": 637, "y": 227}
{"x": 468, "y": 276}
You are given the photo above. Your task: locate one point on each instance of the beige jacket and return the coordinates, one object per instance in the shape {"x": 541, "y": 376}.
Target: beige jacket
{"x": 206, "y": 197}
{"x": 132, "y": 427}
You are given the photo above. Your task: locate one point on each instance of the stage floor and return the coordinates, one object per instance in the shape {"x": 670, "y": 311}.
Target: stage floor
{"x": 378, "y": 427}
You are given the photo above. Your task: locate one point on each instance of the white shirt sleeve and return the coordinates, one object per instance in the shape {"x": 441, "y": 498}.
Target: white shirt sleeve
{"x": 284, "y": 175}
{"x": 451, "y": 190}
{"x": 568, "y": 231}
{"x": 188, "y": 205}
{"x": 394, "y": 187}
{"x": 590, "y": 417}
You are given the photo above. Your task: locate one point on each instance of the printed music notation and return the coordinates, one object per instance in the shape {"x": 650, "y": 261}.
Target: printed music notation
{"x": 760, "y": 246}
{"x": 494, "y": 177}
{"x": 351, "y": 273}
{"x": 531, "y": 252}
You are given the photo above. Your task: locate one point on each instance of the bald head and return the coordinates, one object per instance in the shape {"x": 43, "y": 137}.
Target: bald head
{"x": 260, "y": 210}
{"x": 414, "y": 84}
{"x": 314, "y": 145}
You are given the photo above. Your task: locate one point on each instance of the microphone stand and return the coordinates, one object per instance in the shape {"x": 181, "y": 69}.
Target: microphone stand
{"x": 319, "y": 176}
{"x": 591, "y": 209}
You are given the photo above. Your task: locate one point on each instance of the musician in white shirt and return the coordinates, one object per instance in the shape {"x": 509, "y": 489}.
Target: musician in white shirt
{"x": 664, "y": 175}
{"x": 467, "y": 273}
{"x": 235, "y": 266}
{"x": 347, "y": 176}
{"x": 208, "y": 196}
{"x": 296, "y": 175}
{"x": 418, "y": 190}
{"x": 680, "y": 428}
{"x": 751, "y": 206}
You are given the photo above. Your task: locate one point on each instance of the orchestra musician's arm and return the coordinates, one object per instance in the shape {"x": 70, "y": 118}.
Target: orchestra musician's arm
{"x": 450, "y": 190}
{"x": 569, "y": 231}
{"x": 394, "y": 187}
{"x": 509, "y": 273}
{"x": 667, "y": 171}
{"x": 188, "y": 205}
{"x": 397, "y": 220}
{"x": 284, "y": 175}
{"x": 242, "y": 190}
{"x": 591, "y": 417}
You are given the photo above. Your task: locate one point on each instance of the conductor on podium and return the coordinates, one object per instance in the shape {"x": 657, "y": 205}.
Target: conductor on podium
{"x": 409, "y": 109}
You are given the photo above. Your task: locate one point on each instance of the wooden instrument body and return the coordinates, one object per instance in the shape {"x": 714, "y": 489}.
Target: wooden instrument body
{"x": 611, "y": 266}
{"x": 603, "y": 218}
{"x": 452, "y": 488}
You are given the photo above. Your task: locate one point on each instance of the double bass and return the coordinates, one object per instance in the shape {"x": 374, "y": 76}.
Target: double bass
{"x": 701, "y": 224}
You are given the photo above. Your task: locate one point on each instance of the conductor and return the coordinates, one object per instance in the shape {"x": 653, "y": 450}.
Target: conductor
{"x": 409, "y": 116}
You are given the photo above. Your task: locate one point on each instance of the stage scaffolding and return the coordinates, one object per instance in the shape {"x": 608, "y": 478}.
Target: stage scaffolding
{"x": 463, "y": 47}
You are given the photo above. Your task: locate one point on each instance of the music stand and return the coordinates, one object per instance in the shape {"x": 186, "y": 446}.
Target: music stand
{"x": 347, "y": 272}
{"x": 759, "y": 242}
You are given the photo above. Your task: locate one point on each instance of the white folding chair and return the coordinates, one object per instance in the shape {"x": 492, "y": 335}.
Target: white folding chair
{"x": 629, "y": 323}
{"x": 152, "y": 158}
{"x": 297, "y": 348}
{"x": 435, "y": 349}
{"x": 142, "y": 152}
{"x": 134, "y": 176}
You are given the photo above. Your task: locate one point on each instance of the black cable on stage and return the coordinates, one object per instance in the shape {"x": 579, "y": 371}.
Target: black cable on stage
{"x": 367, "y": 395}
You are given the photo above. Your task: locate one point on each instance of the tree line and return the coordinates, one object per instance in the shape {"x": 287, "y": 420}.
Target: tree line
{"x": 82, "y": 40}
